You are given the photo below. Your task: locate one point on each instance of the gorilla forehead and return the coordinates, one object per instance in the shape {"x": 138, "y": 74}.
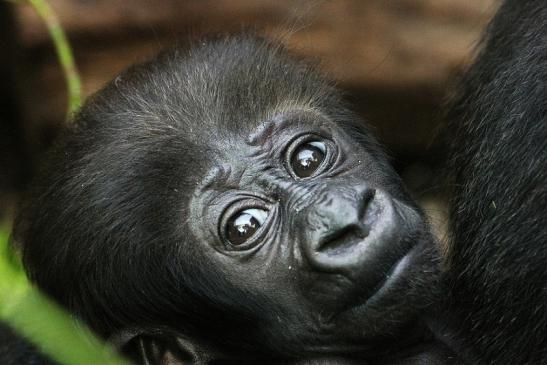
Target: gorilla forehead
{"x": 229, "y": 85}
{"x": 196, "y": 104}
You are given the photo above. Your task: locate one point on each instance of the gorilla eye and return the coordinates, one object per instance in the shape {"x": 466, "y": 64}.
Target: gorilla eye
{"x": 243, "y": 225}
{"x": 306, "y": 158}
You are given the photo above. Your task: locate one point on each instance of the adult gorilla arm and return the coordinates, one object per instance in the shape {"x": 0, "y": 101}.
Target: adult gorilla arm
{"x": 497, "y": 268}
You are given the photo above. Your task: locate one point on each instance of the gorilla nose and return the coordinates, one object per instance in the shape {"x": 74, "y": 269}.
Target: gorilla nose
{"x": 336, "y": 224}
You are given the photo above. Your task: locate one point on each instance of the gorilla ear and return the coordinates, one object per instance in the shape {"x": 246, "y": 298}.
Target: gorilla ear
{"x": 158, "y": 348}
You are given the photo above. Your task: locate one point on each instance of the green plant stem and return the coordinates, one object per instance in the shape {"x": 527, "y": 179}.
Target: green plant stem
{"x": 64, "y": 53}
{"x": 55, "y": 333}
{"x": 42, "y": 321}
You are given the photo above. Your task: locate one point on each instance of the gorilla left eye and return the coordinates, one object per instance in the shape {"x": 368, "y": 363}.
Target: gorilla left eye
{"x": 242, "y": 225}
{"x": 307, "y": 158}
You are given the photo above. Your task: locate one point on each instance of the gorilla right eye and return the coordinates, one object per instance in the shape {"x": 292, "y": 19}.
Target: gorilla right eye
{"x": 244, "y": 224}
{"x": 307, "y": 158}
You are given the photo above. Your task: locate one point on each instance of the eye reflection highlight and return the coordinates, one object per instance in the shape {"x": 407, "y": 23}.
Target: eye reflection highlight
{"x": 307, "y": 158}
{"x": 243, "y": 225}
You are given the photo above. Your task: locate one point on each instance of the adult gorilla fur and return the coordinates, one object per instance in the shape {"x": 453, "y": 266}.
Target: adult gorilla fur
{"x": 497, "y": 263}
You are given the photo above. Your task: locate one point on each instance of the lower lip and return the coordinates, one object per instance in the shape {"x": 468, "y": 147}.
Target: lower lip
{"x": 400, "y": 266}
{"x": 396, "y": 271}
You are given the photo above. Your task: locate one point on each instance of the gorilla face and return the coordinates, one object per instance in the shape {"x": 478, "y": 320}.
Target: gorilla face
{"x": 226, "y": 195}
{"x": 310, "y": 224}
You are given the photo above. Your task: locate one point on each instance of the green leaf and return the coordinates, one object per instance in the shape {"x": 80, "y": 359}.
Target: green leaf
{"x": 42, "y": 321}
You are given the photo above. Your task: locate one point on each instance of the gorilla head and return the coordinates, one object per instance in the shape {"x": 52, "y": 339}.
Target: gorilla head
{"x": 226, "y": 195}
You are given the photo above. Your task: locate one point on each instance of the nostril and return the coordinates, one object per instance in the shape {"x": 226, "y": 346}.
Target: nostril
{"x": 365, "y": 200}
{"x": 338, "y": 221}
{"x": 342, "y": 240}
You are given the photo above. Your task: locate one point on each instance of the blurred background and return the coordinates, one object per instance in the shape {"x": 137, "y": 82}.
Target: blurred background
{"x": 395, "y": 61}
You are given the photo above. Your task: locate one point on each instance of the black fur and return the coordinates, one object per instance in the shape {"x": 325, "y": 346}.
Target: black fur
{"x": 497, "y": 267}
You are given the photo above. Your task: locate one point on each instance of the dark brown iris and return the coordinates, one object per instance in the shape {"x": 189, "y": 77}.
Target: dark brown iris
{"x": 244, "y": 224}
{"x": 307, "y": 158}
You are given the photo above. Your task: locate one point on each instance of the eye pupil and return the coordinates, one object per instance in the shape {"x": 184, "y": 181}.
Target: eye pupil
{"x": 244, "y": 224}
{"x": 307, "y": 158}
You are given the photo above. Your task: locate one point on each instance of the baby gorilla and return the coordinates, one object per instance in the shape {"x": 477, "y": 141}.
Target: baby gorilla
{"x": 224, "y": 203}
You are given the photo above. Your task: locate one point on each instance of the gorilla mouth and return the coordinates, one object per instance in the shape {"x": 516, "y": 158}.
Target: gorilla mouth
{"x": 390, "y": 230}
{"x": 372, "y": 244}
{"x": 395, "y": 272}
{"x": 375, "y": 254}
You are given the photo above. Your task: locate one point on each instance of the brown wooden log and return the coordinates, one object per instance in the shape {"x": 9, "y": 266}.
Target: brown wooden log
{"x": 361, "y": 42}
{"x": 395, "y": 57}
